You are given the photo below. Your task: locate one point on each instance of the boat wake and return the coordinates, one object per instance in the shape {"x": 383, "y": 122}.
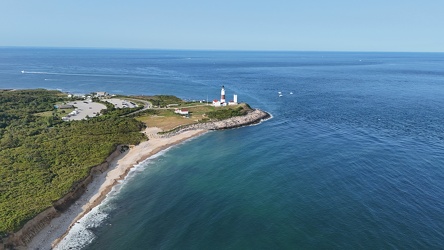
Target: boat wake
{"x": 71, "y": 74}
{"x": 82, "y": 74}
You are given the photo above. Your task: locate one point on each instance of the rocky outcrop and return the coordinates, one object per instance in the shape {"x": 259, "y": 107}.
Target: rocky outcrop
{"x": 20, "y": 238}
{"x": 252, "y": 117}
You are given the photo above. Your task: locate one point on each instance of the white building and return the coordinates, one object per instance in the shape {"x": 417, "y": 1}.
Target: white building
{"x": 101, "y": 94}
{"x": 234, "y": 101}
{"x": 222, "y": 101}
{"x": 216, "y": 103}
{"x": 181, "y": 111}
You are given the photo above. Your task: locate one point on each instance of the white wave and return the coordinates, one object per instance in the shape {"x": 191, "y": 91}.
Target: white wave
{"x": 262, "y": 120}
{"x": 140, "y": 167}
{"x": 257, "y": 123}
{"x": 68, "y": 74}
{"x": 80, "y": 234}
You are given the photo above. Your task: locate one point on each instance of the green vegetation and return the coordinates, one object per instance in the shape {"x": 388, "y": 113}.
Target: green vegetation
{"x": 147, "y": 112}
{"x": 220, "y": 114}
{"x": 21, "y": 105}
{"x": 41, "y": 157}
{"x": 57, "y": 113}
{"x": 161, "y": 100}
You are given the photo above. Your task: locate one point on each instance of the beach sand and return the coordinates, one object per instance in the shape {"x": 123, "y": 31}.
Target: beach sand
{"x": 102, "y": 185}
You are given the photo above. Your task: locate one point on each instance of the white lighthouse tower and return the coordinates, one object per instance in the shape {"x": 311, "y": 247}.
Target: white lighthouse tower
{"x": 222, "y": 95}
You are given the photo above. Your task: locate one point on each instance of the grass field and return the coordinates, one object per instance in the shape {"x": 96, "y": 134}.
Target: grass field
{"x": 164, "y": 122}
{"x": 167, "y": 120}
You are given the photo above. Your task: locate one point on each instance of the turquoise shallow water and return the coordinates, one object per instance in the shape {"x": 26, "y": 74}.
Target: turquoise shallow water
{"x": 353, "y": 159}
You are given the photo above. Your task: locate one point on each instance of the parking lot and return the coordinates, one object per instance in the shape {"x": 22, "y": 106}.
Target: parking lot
{"x": 84, "y": 109}
{"x": 119, "y": 103}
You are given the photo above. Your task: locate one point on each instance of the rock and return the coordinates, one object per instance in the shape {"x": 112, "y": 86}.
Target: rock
{"x": 251, "y": 117}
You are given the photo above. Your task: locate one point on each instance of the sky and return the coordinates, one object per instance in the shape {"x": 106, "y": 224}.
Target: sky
{"x": 294, "y": 25}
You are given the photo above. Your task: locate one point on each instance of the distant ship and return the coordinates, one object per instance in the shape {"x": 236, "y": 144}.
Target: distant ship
{"x": 23, "y": 72}
{"x": 291, "y": 93}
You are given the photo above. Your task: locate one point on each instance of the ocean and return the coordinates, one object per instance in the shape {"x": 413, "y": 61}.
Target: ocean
{"x": 352, "y": 159}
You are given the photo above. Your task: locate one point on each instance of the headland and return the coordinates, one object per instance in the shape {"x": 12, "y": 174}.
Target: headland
{"x": 49, "y": 227}
{"x": 120, "y": 167}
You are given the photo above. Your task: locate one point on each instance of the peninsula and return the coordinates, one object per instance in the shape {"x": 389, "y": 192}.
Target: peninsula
{"x": 56, "y": 168}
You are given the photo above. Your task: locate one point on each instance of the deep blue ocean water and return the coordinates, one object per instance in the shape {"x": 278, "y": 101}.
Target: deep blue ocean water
{"x": 353, "y": 159}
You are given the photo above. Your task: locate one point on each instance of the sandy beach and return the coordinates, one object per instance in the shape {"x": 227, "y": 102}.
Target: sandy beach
{"x": 102, "y": 184}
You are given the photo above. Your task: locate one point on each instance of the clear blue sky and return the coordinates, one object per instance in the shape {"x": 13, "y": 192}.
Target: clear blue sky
{"x": 320, "y": 25}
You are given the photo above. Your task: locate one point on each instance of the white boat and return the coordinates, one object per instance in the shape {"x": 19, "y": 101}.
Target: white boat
{"x": 280, "y": 95}
{"x": 291, "y": 93}
{"x": 279, "y": 92}
{"x": 23, "y": 72}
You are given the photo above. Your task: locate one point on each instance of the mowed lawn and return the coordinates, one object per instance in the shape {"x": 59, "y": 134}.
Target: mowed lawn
{"x": 166, "y": 119}
{"x": 165, "y": 123}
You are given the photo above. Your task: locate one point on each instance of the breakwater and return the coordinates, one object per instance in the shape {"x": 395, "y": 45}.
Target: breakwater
{"x": 252, "y": 117}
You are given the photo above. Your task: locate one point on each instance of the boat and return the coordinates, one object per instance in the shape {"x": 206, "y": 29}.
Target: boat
{"x": 291, "y": 93}
{"x": 23, "y": 72}
{"x": 280, "y": 95}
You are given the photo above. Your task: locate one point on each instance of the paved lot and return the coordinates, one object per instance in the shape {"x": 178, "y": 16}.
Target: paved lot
{"x": 85, "y": 108}
{"x": 119, "y": 103}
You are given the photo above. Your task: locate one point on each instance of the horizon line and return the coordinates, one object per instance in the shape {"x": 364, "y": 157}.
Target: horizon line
{"x": 212, "y": 50}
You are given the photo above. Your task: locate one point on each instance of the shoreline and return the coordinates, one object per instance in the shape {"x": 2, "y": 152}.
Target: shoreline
{"x": 57, "y": 228}
{"x": 53, "y": 233}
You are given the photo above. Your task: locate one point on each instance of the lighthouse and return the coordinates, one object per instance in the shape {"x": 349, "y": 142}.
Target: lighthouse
{"x": 223, "y": 101}
{"x": 222, "y": 95}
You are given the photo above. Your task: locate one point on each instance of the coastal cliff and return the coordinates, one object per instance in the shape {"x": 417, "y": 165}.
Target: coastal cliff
{"x": 20, "y": 238}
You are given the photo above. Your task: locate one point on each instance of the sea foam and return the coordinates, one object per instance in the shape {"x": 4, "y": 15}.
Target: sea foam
{"x": 80, "y": 234}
